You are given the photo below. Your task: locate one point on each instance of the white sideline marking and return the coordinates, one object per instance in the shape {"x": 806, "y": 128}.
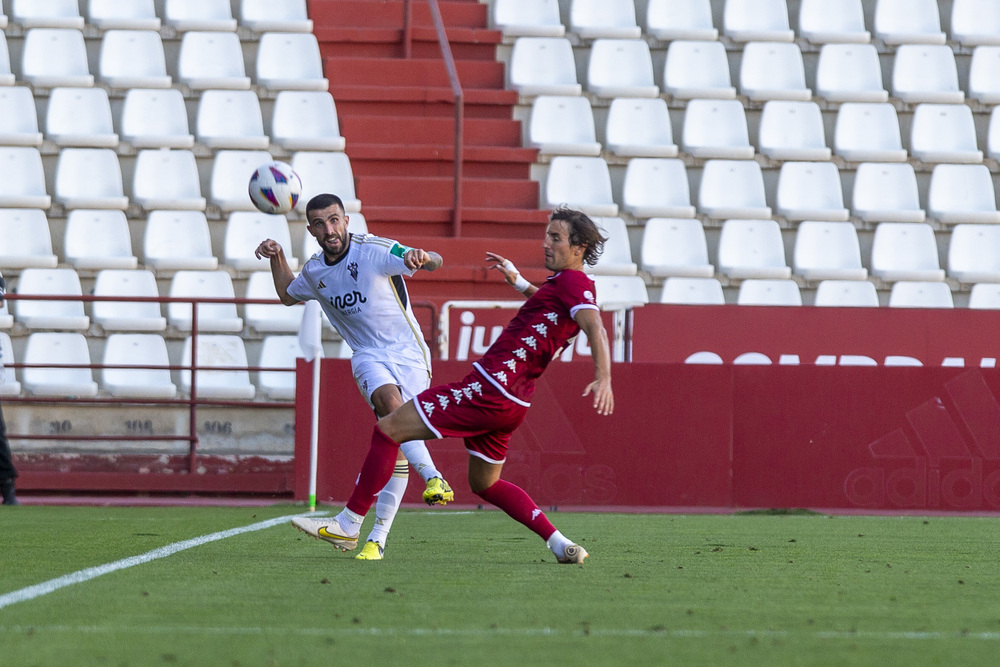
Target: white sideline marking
{"x": 46, "y": 587}
{"x": 504, "y": 632}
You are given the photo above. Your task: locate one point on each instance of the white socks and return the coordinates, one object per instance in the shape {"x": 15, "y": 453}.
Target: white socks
{"x": 416, "y": 453}
{"x": 558, "y": 543}
{"x": 389, "y": 499}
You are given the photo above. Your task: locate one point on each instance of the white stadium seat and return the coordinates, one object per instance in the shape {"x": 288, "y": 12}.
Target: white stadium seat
{"x": 640, "y": 127}
{"x": 543, "y": 66}
{"x": 985, "y": 295}
{"x": 615, "y": 19}
{"x": 23, "y": 184}
{"x": 692, "y": 291}
{"x": 36, "y": 314}
{"x": 810, "y": 191}
{"x": 615, "y": 292}
{"x": 154, "y": 118}
{"x": 167, "y": 179}
{"x": 80, "y": 117}
{"x": 905, "y": 251}
{"x": 231, "y": 119}
{"x": 27, "y": 241}
{"x": 752, "y": 249}
{"x": 792, "y": 131}
{"x": 769, "y": 292}
{"x": 908, "y": 22}
{"x": 290, "y": 61}
{"x": 269, "y": 16}
{"x": 716, "y": 129}
{"x": 773, "y": 71}
{"x": 993, "y": 135}
{"x": 18, "y": 119}
{"x": 331, "y": 170}
{"x": 984, "y": 74}
{"x": 56, "y": 350}
{"x": 850, "y": 73}
{"x": 267, "y": 317}
{"x": 217, "y": 351}
{"x": 9, "y": 386}
{"x": 231, "y": 172}
{"x": 675, "y": 247}
{"x": 697, "y": 69}
{"x": 562, "y": 125}
{"x": 828, "y": 251}
{"x": 278, "y": 352}
{"x": 177, "y": 240}
{"x": 581, "y": 182}
{"x": 137, "y": 349}
{"x": 846, "y": 293}
{"x": 920, "y": 294}
{"x": 133, "y": 59}
{"x": 244, "y": 232}
{"x": 6, "y": 76}
{"x": 616, "y": 260}
{"x": 868, "y": 132}
{"x": 212, "y": 59}
{"x": 975, "y": 22}
{"x": 926, "y": 73}
{"x": 306, "y": 120}
{"x": 47, "y": 14}
{"x": 527, "y": 18}
{"x": 214, "y": 317}
{"x": 756, "y": 20}
{"x": 620, "y": 68}
{"x": 962, "y": 193}
{"x": 974, "y": 254}
{"x": 839, "y": 21}
{"x": 183, "y": 15}
{"x": 886, "y": 193}
{"x": 669, "y": 20}
{"x": 118, "y": 15}
{"x": 944, "y": 133}
{"x": 657, "y": 187}
{"x": 732, "y": 189}
{"x": 127, "y": 315}
{"x": 55, "y": 57}
{"x": 98, "y": 239}
{"x": 89, "y": 178}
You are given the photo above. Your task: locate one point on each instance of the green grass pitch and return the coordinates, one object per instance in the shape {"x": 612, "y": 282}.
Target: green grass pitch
{"x": 459, "y": 588}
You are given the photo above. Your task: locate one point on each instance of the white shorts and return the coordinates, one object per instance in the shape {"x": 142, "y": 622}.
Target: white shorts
{"x": 371, "y": 374}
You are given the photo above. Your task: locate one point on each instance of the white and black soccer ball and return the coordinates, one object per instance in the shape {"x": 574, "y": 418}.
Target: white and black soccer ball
{"x": 275, "y": 187}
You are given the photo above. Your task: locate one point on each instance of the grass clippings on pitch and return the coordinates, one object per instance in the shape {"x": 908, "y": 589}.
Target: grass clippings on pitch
{"x": 462, "y": 588}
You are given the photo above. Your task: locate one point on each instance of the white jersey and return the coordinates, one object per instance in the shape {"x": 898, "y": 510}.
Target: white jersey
{"x": 364, "y": 296}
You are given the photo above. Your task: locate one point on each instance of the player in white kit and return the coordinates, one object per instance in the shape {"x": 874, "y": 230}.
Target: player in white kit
{"x": 358, "y": 281}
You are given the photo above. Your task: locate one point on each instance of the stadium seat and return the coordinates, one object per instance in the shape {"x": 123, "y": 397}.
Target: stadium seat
{"x": 267, "y": 317}
{"x": 620, "y": 68}
{"x": 6, "y": 76}
{"x": 177, "y": 240}
{"x": 55, "y": 350}
{"x": 278, "y": 352}
{"x": 118, "y": 15}
{"x": 231, "y": 172}
{"x": 128, "y": 315}
{"x": 850, "y": 73}
{"x": 825, "y": 22}
{"x": 993, "y": 135}
{"x": 975, "y": 22}
{"x": 98, "y": 239}
{"x": 331, "y": 169}
{"x": 80, "y": 117}
{"x": 984, "y": 74}
{"x": 656, "y": 187}
{"x": 670, "y": 20}
{"x": 616, "y": 292}
{"x": 217, "y": 351}
{"x": 562, "y": 125}
{"x": 868, "y": 132}
{"x": 756, "y": 21}
{"x": 167, "y": 179}
{"x": 184, "y": 15}
{"x": 231, "y": 119}
{"x": 212, "y": 317}
{"x": 920, "y": 294}
{"x": 89, "y": 178}
{"x": 27, "y": 241}
{"x": 9, "y": 386}
{"x": 675, "y": 247}
{"x": 752, "y": 249}
{"x": 133, "y": 59}
{"x": 846, "y": 293}
{"x": 356, "y": 224}
{"x": 926, "y": 73}
{"x": 768, "y": 292}
{"x": 212, "y": 60}
{"x": 610, "y": 19}
{"x": 908, "y": 22}
{"x": 581, "y": 182}
{"x": 306, "y": 120}
{"x": 773, "y": 71}
{"x": 6, "y": 319}
{"x": 290, "y": 61}
{"x": 639, "y": 127}
{"x": 67, "y": 315}
{"x": 244, "y": 232}
{"x": 23, "y": 184}
{"x": 962, "y": 193}
{"x": 616, "y": 260}
{"x": 716, "y": 129}
{"x": 732, "y": 189}
{"x": 905, "y": 251}
{"x": 886, "y": 193}
{"x": 692, "y": 291}
{"x": 55, "y": 57}
{"x": 985, "y": 296}
{"x": 792, "y": 131}
{"x": 137, "y": 349}
{"x": 153, "y": 118}
{"x": 543, "y": 66}
{"x": 944, "y": 133}
{"x": 268, "y": 16}
{"x": 527, "y": 18}
{"x": 974, "y": 254}
{"x": 18, "y": 119}
{"x": 49, "y": 14}
{"x": 810, "y": 191}
{"x": 697, "y": 69}
{"x": 828, "y": 251}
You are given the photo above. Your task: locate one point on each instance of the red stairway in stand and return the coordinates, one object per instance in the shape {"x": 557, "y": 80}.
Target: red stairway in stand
{"x": 398, "y": 119}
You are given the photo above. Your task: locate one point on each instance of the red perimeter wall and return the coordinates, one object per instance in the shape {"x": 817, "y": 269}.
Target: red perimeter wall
{"x": 733, "y": 435}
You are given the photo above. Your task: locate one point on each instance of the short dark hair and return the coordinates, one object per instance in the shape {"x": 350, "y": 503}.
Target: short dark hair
{"x": 325, "y": 200}
{"x": 582, "y": 231}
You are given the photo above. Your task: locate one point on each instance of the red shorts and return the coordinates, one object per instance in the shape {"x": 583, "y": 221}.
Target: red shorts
{"x": 472, "y": 409}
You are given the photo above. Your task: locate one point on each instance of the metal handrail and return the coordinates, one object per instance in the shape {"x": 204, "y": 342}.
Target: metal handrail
{"x": 457, "y": 94}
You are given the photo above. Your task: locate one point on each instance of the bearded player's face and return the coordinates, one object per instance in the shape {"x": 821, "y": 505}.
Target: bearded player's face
{"x": 329, "y": 227}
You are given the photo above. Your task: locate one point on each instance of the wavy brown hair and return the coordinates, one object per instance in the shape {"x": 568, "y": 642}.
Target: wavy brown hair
{"x": 582, "y": 231}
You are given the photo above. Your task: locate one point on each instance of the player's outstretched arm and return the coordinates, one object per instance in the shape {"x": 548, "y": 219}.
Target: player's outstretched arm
{"x": 281, "y": 273}
{"x": 591, "y": 324}
{"x": 415, "y": 258}
{"x": 510, "y": 274}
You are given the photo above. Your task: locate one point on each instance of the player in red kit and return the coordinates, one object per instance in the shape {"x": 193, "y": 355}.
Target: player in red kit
{"x": 487, "y": 405}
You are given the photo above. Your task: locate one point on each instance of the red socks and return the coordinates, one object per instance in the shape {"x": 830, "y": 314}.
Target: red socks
{"x": 375, "y": 472}
{"x": 515, "y": 501}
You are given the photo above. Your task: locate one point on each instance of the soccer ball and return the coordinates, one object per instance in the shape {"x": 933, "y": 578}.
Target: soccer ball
{"x": 275, "y": 188}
